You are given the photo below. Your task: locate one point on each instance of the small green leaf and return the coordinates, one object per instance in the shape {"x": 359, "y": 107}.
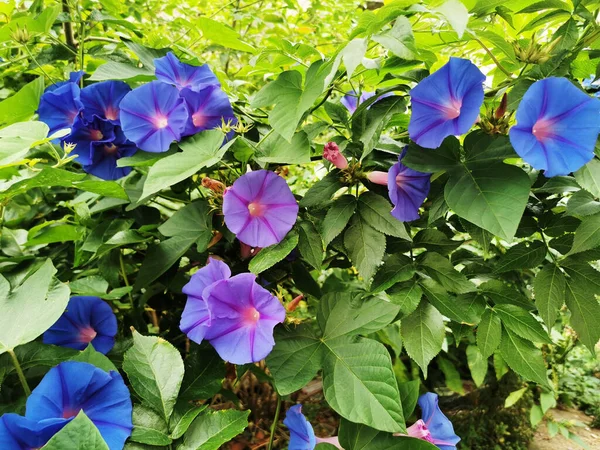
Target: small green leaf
{"x": 477, "y": 364}
{"x": 212, "y": 429}
{"x": 588, "y": 177}
{"x": 549, "y": 288}
{"x": 525, "y": 255}
{"x": 445, "y": 157}
{"x": 524, "y": 358}
{"x": 365, "y": 245}
{"x": 275, "y": 149}
{"x": 399, "y": 39}
{"x": 18, "y": 138}
{"x": 354, "y": 436}
{"x": 78, "y": 434}
{"x": 423, "y": 333}
{"x": 149, "y": 427}
{"x": 409, "y": 395}
{"x": 223, "y": 35}
{"x": 269, "y": 256}
{"x": 183, "y": 416}
{"x": 91, "y": 356}
{"x": 456, "y": 14}
{"x": 396, "y": 268}
{"x": 337, "y": 217}
{"x": 587, "y": 236}
{"x": 310, "y": 244}
{"x": 376, "y": 212}
{"x": 21, "y": 107}
{"x": 204, "y": 374}
{"x": 489, "y": 333}
{"x": 435, "y": 240}
{"x": 536, "y": 415}
{"x": 522, "y": 323}
{"x": 441, "y": 269}
{"x": 514, "y": 397}
{"x": 451, "y": 375}
{"x": 321, "y": 192}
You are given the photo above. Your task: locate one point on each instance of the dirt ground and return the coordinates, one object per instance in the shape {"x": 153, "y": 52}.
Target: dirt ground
{"x": 591, "y": 436}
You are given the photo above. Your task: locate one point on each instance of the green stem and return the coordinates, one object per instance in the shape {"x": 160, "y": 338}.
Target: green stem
{"x": 125, "y": 280}
{"x": 37, "y": 63}
{"x": 274, "y": 424}
{"x": 20, "y": 373}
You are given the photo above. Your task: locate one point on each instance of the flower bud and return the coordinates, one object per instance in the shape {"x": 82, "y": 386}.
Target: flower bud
{"x": 331, "y": 152}
{"x": 291, "y": 306}
{"x": 247, "y": 251}
{"x": 213, "y": 185}
{"x": 378, "y": 177}
{"x": 502, "y": 108}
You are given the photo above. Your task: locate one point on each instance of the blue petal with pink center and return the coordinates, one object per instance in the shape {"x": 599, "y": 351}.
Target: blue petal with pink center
{"x": 172, "y": 71}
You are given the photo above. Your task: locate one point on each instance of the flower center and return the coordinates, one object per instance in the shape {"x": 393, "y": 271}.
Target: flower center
{"x": 111, "y": 114}
{"x": 87, "y": 335}
{"x": 420, "y": 431}
{"x": 198, "y": 119}
{"x": 110, "y": 149}
{"x": 96, "y": 135}
{"x": 542, "y": 129}
{"x": 256, "y": 209}
{"x": 251, "y": 316}
{"x": 452, "y": 111}
{"x": 161, "y": 122}
{"x": 70, "y": 412}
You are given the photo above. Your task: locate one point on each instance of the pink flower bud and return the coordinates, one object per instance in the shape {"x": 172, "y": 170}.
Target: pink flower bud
{"x": 378, "y": 177}
{"x": 213, "y": 185}
{"x": 291, "y": 306}
{"x": 331, "y": 152}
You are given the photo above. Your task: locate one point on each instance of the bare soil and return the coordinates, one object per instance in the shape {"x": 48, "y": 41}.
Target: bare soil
{"x": 591, "y": 436}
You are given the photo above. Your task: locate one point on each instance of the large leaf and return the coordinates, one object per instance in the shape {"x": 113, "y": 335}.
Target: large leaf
{"x": 79, "y": 434}
{"x": 213, "y": 429}
{"x": 221, "y": 34}
{"x": 376, "y": 212}
{"x": 423, "y": 334}
{"x": 365, "y": 246}
{"x": 549, "y": 287}
{"x": 492, "y": 197}
{"x": 295, "y": 359}
{"x": 31, "y": 308}
{"x": 396, "y": 268}
{"x": 359, "y": 384}
{"x": 587, "y": 236}
{"x": 22, "y": 105}
{"x": 275, "y": 149}
{"x": 149, "y": 427}
{"x": 399, "y": 39}
{"x": 204, "y": 374}
{"x": 37, "y": 354}
{"x": 489, "y": 333}
{"x": 525, "y": 255}
{"x": 310, "y": 244}
{"x": 155, "y": 369}
{"x": 269, "y": 256}
{"x": 441, "y": 269}
{"x": 337, "y": 217}
{"x": 522, "y": 323}
{"x": 588, "y": 177}
{"x": 524, "y": 358}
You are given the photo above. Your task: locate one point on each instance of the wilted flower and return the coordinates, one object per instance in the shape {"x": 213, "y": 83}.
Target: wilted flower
{"x": 74, "y": 386}
{"x": 103, "y": 99}
{"x": 260, "y": 208}
{"x": 557, "y": 127}
{"x": 86, "y": 320}
{"x": 446, "y": 103}
{"x": 170, "y": 70}
{"x": 331, "y": 152}
{"x": 59, "y": 107}
{"x": 20, "y": 433}
{"x": 433, "y": 426}
{"x": 153, "y": 116}
{"x": 208, "y": 108}
{"x": 302, "y": 435}
{"x": 235, "y": 314}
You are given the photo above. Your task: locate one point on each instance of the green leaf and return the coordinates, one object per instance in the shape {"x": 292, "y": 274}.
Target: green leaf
{"x": 399, "y": 39}
{"x": 193, "y": 221}
{"x": 337, "y": 217}
{"x": 310, "y": 244}
{"x": 489, "y": 333}
{"x": 406, "y": 295}
{"x": 295, "y": 359}
{"x": 269, "y": 256}
{"x": 588, "y": 177}
{"x": 435, "y": 241}
{"x": 524, "y": 358}
{"x": 91, "y": 356}
{"x": 441, "y": 269}
{"x": 355, "y": 436}
{"x": 221, "y": 34}
{"x": 522, "y": 323}
{"x": 113, "y": 70}
{"x": 182, "y": 418}
{"x": 582, "y": 203}
{"x": 492, "y": 197}
{"x": 396, "y": 268}
{"x": 445, "y": 157}
{"x": 321, "y": 192}
{"x": 31, "y": 308}
{"x": 409, "y": 395}
{"x": 155, "y": 370}
{"x": 212, "y": 429}
{"x": 423, "y": 333}
{"x": 352, "y": 55}
{"x": 514, "y": 397}
{"x": 477, "y": 364}
{"x": 500, "y": 293}
{"x": 451, "y": 375}
{"x": 359, "y": 384}
{"x": 536, "y": 415}
{"x": 456, "y": 14}
{"x": 549, "y": 287}
{"x": 201, "y": 150}
{"x": 376, "y": 212}
{"x": 78, "y": 434}
{"x": 369, "y": 123}
{"x": 275, "y": 149}
{"x": 204, "y": 374}
{"x": 587, "y": 236}
{"x": 525, "y": 255}
{"x": 149, "y": 427}
{"x": 36, "y": 354}
{"x": 365, "y": 246}
{"x": 21, "y": 107}
{"x": 547, "y": 401}
{"x": 445, "y": 303}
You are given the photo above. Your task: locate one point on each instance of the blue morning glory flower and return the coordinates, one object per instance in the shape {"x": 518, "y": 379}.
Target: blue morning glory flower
{"x": 207, "y": 109}
{"x": 172, "y": 71}
{"x": 60, "y": 107}
{"x": 73, "y": 386}
{"x": 407, "y": 190}
{"x": 20, "y": 433}
{"x": 153, "y": 116}
{"x": 446, "y": 103}
{"x": 433, "y": 426}
{"x": 88, "y": 135}
{"x": 102, "y": 100}
{"x": 86, "y": 320}
{"x": 557, "y": 127}
{"x": 351, "y": 100}
{"x": 302, "y": 435}
{"x": 74, "y": 77}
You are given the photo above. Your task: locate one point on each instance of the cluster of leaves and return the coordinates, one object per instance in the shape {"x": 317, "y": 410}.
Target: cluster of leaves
{"x": 498, "y": 251}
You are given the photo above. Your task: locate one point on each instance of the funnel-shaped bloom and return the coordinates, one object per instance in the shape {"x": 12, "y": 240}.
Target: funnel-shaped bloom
{"x": 243, "y": 315}
{"x": 74, "y": 386}
{"x": 446, "y": 103}
{"x": 20, "y": 433}
{"x": 86, "y": 320}
{"x": 60, "y": 106}
{"x": 153, "y": 116}
{"x": 105, "y": 157}
{"x": 557, "y": 127}
{"x": 302, "y": 435}
{"x": 87, "y": 136}
{"x": 434, "y": 426}
{"x": 208, "y": 108}
{"x": 260, "y": 208}
{"x": 407, "y": 190}
{"x": 102, "y": 100}
{"x": 170, "y": 70}
{"x": 196, "y": 319}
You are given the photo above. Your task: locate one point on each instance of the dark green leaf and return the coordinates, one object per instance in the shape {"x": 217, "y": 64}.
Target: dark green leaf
{"x": 269, "y": 256}
{"x": 321, "y": 192}
{"x": 396, "y": 268}
{"x": 525, "y": 255}
{"x": 337, "y": 217}
{"x": 149, "y": 427}
{"x": 204, "y": 374}
{"x": 212, "y": 429}
{"x": 445, "y": 157}
{"x": 423, "y": 334}
{"x": 365, "y": 246}
{"x": 310, "y": 244}
{"x": 549, "y": 288}
{"x": 376, "y": 212}
{"x": 489, "y": 333}
{"x": 587, "y": 236}
{"x": 522, "y": 323}
{"x": 524, "y": 358}
{"x": 441, "y": 269}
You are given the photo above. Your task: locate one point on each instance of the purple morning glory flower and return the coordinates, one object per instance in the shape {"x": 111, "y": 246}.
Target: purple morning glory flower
{"x": 260, "y": 208}
{"x": 20, "y": 433}
{"x": 407, "y": 190}
{"x": 557, "y": 127}
{"x": 446, "y": 103}
{"x": 170, "y": 70}
{"x": 74, "y": 77}
{"x": 60, "y": 107}
{"x": 73, "y": 386}
{"x": 433, "y": 426}
{"x": 196, "y": 319}
{"x": 86, "y": 320}
{"x": 302, "y": 435}
{"x": 102, "y": 100}
{"x": 351, "y": 100}
{"x": 207, "y": 109}
{"x": 153, "y": 116}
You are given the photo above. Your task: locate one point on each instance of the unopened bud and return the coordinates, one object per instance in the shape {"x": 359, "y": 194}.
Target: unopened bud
{"x": 213, "y": 185}
{"x": 378, "y": 177}
{"x": 216, "y": 238}
{"x": 502, "y": 108}
{"x": 246, "y": 251}
{"x": 291, "y": 306}
{"x": 331, "y": 152}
